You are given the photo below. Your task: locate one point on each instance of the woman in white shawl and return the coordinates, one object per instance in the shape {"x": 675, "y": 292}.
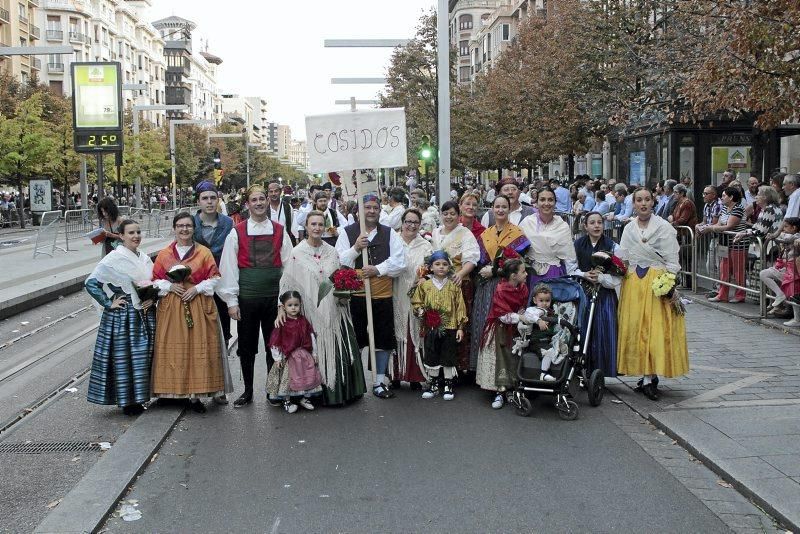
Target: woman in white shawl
{"x": 124, "y": 349}
{"x": 408, "y": 362}
{"x": 310, "y": 267}
{"x": 464, "y": 251}
{"x": 652, "y": 334}
{"x": 551, "y": 253}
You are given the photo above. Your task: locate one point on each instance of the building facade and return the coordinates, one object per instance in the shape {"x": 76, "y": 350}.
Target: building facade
{"x": 18, "y": 27}
{"x": 298, "y": 154}
{"x": 284, "y": 141}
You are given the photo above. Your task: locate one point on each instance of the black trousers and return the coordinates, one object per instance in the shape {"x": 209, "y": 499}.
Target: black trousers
{"x": 224, "y": 318}
{"x": 257, "y": 315}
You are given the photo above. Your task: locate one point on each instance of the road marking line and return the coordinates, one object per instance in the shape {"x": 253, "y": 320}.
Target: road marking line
{"x": 722, "y": 390}
{"x": 275, "y": 525}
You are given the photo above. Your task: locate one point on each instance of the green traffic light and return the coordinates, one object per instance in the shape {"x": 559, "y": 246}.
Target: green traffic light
{"x": 426, "y": 153}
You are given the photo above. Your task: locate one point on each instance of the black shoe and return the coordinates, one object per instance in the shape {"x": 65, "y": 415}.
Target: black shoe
{"x": 197, "y": 406}
{"x": 416, "y": 386}
{"x": 382, "y": 392}
{"x": 395, "y": 384}
{"x": 650, "y": 392}
{"x": 275, "y": 403}
{"x": 244, "y": 400}
{"x": 133, "y": 409}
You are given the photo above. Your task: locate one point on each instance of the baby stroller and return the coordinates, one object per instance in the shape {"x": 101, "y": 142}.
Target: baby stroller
{"x": 572, "y": 364}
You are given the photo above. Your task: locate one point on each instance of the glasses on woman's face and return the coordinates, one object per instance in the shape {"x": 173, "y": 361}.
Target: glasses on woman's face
{"x": 184, "y": 226}
{"x": 411, "y": 223}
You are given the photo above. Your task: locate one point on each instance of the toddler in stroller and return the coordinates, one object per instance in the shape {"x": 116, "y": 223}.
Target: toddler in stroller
{"x": 541, "y": 332}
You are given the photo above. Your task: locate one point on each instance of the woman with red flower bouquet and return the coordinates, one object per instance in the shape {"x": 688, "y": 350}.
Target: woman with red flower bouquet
{"x": 439, "y": 303}
{"x": 603, "y": 342}
{"x": 502, "y": 237}
{"x": 496, "y": 362}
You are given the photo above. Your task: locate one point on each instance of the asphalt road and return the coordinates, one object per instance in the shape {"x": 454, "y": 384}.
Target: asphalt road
{"x": 408, "y": 465}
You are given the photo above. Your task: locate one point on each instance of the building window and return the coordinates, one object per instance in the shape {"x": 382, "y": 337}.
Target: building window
{"x": 465, "y": 22}
{"x": 53, "y": 23}
{"x": 506, "y": 32}
{"x": 463, "y": 48}
{"x": 463, "y": 74}
{"x": 57, "y": 87}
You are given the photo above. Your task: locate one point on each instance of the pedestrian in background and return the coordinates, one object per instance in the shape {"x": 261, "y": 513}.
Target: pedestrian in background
{"x": 109, "y": 220}
{"x": 124, "y": 348}
{"x": 733, "y": 254}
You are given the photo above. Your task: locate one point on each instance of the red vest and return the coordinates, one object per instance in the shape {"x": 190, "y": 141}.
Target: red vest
{"x": 259, "y": 250}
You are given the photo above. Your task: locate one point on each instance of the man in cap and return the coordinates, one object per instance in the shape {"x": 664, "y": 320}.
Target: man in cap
{"x": 385, "y": 260}
{"x": 509, "y": 187}
{"x": 251, "y": 267}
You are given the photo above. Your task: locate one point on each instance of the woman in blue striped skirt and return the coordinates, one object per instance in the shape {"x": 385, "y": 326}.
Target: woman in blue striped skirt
{"x": 124, "y": 348}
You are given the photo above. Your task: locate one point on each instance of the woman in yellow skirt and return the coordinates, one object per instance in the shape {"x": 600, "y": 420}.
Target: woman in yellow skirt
{"x": 652, "y": 334}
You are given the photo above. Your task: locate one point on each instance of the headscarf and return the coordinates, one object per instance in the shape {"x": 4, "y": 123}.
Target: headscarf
{"x": 370, "y": 197}
{"x": 204, "y": 186}
{"x": 439, "y": 255}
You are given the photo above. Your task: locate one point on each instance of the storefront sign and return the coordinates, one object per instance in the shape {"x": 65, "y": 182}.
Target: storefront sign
{"x": 732, "y": 139}
{"x": 637, "y": 175}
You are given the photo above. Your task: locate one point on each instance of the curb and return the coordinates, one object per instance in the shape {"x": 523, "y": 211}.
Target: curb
{"x": 88, "y": 504}
{"x": 740, "y": 486}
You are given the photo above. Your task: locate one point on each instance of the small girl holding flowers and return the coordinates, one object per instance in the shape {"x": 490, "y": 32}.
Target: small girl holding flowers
{"x": 439, "y": 303}
{"x": 652, "y": 331}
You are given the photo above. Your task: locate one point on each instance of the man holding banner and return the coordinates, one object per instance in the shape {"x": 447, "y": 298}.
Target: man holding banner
{"x": 386, "y": 260}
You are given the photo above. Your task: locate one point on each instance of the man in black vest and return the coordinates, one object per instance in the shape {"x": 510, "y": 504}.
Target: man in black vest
{"x": 386, "y": 260}
{"x": 280, "y": 210}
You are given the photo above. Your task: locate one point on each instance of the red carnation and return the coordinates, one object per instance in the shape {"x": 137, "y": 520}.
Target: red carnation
{"x": 346, "y": 279}
{"x": 619, "y": 264}
{"x": 432, "y": 319}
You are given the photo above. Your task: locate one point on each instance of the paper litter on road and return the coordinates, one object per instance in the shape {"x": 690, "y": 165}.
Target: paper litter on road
{"x": 616, "y": 401}
{"x": 71, "y": 390}
{"x": 128, "y": 512}
{"x": 301, "y": 441}
{"x": 53, "y": 504}
{"x": 104, "y": 445}
{"x": 25, "y": 323}
{"x": 724, "y": 484}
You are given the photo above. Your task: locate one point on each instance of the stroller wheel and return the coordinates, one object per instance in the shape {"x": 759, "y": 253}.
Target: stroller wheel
{"x": 570, "y": 413}
{"x": 596, "y": 387}
{"x": 524, "y": 408}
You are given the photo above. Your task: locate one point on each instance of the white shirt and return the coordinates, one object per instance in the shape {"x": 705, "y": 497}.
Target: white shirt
{"x": 228, "y": 289}
{"x": 279, "y": 216}
{"x": 514, "y": 217}
{"x": 392, "y": 217}
{"x": 394, "y": 264}
{"x": 793, "y": 208}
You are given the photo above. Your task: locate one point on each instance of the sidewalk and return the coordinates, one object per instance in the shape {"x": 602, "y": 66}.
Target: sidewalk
{"x": 738, "y": 409}
{"x": 27, "y": 282}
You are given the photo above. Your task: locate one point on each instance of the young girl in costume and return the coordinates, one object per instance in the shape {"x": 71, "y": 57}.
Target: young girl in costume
{"x": 496, "y": 367}
{"x": 295, "y": 373}
{"x": 439, "y": 294}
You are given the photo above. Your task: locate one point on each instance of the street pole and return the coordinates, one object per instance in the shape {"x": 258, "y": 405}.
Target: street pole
{"x": 247, "y": 159}
{"x": 136, "y": 143}
{"x": 443, "y": 76}
{"x": 172, "y": 160}
{"x": 100, "y": 194}
{"x": 84, "y": 185}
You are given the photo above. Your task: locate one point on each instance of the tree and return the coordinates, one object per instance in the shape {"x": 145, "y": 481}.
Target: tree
{"x": 25, "y": 145}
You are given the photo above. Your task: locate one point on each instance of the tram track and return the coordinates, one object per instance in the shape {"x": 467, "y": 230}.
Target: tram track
{"x": 43, "y": 327}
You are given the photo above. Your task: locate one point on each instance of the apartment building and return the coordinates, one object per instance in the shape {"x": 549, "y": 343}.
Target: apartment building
{"x": 298, "y": 154}
{"x": 191, "y": 75}
{"x": 259, "y": 128}
{"x": 284, "y": 141}
{"x": 18, "y": 28}
{"x": 106, "y": 30}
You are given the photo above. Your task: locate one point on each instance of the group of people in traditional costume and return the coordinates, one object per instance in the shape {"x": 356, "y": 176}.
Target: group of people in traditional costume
{"x": 259, "y": 274}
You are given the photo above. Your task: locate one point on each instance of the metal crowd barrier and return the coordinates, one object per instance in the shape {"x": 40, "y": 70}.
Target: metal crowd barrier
{"x": 742, "y": 263}
{"x": 78, "y": 223}
{"x": 124, "y": 211}
{"x": 164, "y": 222}
{"x": 47, "y": 235}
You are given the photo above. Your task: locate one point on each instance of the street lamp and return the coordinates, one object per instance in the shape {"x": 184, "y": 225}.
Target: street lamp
{"x": 172, "y": 125}
{"x": 136, "y": 109}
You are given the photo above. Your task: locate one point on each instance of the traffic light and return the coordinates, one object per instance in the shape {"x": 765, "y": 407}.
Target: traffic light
{"x": 217, "y": 159}
{"x": 218, "y": 174}
{"x": 425, "y": 150}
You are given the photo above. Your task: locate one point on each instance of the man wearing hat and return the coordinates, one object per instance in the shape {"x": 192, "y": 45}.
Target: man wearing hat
{"x": 509, "y": 187}
{"x": 251, "y": 267}
{"x": 210, "y": 229}
{"x": 386, "y": 260}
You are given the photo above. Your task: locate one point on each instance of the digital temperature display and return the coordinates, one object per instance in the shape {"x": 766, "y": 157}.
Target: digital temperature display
{"x": 110, "y": 141}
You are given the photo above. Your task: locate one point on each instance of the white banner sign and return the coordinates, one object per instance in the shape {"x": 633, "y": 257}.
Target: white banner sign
{"x": 366, "y": 139}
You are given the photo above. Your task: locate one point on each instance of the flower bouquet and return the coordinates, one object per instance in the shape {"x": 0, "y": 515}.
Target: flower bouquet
{"x": 344, "y": 282}
{"x": 608, "y": 263}
{"x": 433, "y": 321}
{"x": 178, "y": 275}
{"x": 664, "y": 287}
{"x": 146, "y": 290}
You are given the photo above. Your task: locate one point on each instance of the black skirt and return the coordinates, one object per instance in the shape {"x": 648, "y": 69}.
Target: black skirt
{"x": 383, "y": 322}
{"x": 440, "y": 349}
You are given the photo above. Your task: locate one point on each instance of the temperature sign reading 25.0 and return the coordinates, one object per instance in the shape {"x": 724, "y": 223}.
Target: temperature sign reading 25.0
{"x": 86, "y": 141}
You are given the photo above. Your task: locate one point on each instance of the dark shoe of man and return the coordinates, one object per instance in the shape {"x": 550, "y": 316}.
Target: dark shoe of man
{"x": 650, "y": 391}
{"x": 382, "y": 392}
{"x": 244, "y": 400}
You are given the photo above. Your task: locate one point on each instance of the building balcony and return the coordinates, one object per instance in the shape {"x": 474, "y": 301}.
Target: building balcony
{"x": 75, "y": 6}
{"x": 36, "y": 63}
{"x": 54, "y": 35}
{"x": 34, "y": 3}
{"x": 55, "y": 68}
{"x": 76, "y": 37}
{"x": 23, "y": 18}
{"x": 5, "y": 16}
{"x": 35, "y": 32}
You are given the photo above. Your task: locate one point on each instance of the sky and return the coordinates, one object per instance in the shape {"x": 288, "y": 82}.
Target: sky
{"x": 274, "y": 48}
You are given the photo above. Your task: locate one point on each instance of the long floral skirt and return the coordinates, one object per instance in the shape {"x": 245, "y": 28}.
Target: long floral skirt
{"x": 480, "y": 310}
{"x": 468, "y": 290}
{"x": 122, "y": 356}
